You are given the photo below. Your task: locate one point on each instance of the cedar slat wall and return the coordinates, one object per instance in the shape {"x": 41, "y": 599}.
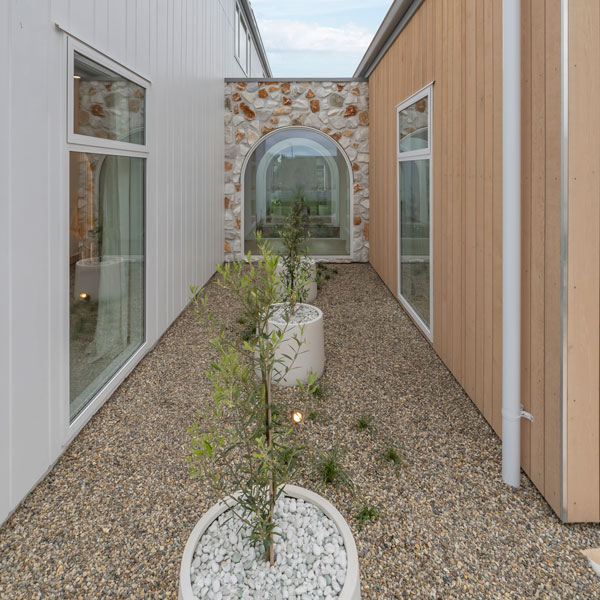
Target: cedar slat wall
{"x": 458, "y": 45}
{"x": 583, "y": 435}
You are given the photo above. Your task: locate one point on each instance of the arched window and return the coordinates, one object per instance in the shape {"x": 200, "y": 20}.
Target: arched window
{"x": 292, "y": 165}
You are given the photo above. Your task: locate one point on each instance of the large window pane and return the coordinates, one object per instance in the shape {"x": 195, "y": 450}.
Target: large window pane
{"x": 107, "y": 105}
{"x": 413, "y": 126}
{"x": 298, "y": 166}
{"x": 106, "y": 288}
{"x": 414, "y": 236}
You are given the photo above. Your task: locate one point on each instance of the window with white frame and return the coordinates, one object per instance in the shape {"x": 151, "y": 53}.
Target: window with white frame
{"x": 415, "y": 273}
{"x": 236, "y": 32}
{"x": 242, "y": 40}
{"x": 106, "y": 145}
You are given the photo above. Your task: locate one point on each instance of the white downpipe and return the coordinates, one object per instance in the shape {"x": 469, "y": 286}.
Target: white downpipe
{"x": 511, "y": 242}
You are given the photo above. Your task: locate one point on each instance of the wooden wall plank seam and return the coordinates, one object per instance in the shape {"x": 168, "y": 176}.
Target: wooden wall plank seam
{"x": 583, "y": 436}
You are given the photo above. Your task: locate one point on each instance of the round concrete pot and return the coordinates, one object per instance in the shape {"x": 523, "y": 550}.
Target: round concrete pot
{"x": 351, "y": 587}
{"x": 310, "y": 358}
{"x": 90, "y": 271}
{"x": 311, "y": 288}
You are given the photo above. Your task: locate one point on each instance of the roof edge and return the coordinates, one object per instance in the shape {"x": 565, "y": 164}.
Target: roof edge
{"x": 392, "y": 25}
{"x": 296, "y": 79}
{"x": 262, "y": 53}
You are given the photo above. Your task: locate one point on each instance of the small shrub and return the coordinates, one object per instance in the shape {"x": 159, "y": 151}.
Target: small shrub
{"x": 364, "y": 422}
{"x": 331, "y": 470}
{"x": 312, "y": 415}
{"x": 318, "y": 391}
{"x": 248, "y": 333}
{"x": 241, "y": 321}
{"x": 393, "y": 455}
{"x": 366, "y": 512}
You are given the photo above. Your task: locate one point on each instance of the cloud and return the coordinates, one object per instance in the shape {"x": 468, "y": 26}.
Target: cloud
{"x": 317, "y": 38}
{"x": 315, "y": 8}
{"x": 298, "y": 36}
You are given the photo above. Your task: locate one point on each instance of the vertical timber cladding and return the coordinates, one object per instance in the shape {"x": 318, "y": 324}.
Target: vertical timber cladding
{"x": 583, "y": 288}
{"x": 458, "y": 46}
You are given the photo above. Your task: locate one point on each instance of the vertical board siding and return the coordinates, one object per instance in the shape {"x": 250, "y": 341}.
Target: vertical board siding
{"x": 5, "y": 260}
{"x": 186, "y": 48}
{"x": 583, "y": 398}
{"x": 462, "y": 54}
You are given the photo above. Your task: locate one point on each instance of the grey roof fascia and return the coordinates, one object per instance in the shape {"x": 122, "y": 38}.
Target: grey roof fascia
{"x": 392, "y": 25}
{"x": 262, "y": 53}
{"x": 296, "y": 79}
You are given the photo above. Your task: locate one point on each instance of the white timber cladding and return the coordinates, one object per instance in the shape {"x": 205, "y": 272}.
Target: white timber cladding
{"x": 185, "y": 49}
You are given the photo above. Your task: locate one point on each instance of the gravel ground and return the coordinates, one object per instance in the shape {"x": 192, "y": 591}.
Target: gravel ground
{"x": 113, "y": 516}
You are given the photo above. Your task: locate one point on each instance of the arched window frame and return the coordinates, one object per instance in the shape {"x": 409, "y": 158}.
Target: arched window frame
{"x": 350, "y": 172}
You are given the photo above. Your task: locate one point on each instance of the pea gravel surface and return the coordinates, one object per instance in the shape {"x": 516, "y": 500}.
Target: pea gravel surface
{"x": 112, "y": 517}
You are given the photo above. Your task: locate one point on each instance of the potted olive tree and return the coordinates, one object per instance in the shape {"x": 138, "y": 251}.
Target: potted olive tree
{"x": 265, "y": 538}
{"x": 299, "y": 288}
{"x": 295, "y": 264}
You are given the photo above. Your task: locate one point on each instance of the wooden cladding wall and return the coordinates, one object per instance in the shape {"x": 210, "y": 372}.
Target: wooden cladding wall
{"x": 583, "y": 405}
{"x": 458, "y": 46}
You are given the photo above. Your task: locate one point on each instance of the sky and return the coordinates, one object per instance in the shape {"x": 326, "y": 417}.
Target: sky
{"x": 317, "y": 38}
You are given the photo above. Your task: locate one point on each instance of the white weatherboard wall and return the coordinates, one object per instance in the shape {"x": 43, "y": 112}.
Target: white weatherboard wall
{"x": 185, "y": 47}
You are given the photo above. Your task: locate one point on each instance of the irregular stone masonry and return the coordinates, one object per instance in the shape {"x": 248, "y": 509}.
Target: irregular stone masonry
{"x": 338, "y": 109}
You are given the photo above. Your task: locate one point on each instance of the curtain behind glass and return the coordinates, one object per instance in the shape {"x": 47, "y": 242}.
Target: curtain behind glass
{"x": 107, "y": 274}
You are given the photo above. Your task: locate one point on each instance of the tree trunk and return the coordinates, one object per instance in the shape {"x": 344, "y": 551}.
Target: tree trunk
{"x": 271, "y": 551}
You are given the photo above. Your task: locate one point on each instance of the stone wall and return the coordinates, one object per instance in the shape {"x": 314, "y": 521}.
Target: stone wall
{"x": 338, "y": 109}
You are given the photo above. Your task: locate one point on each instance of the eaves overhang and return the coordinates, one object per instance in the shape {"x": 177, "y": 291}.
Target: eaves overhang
{"x": 392, "y": 25}
{"x": 251, "y": 19}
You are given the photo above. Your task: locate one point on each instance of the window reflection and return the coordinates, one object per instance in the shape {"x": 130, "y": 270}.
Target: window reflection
{"x": 414, "y": 236}
{"x": 413, "y": 126}
{"x": 298, "y": 166}
{"x": 106, "y": 105}
{"x": 106, "y": 236}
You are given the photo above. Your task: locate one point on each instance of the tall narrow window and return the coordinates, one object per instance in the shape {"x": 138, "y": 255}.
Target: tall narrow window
{"x": 242, "y": 40}
{"x": 244, "y": 45}
{"x": 236, "y": 33}
{"x": 415, "y": 283}
{"x": 106, "y": 224}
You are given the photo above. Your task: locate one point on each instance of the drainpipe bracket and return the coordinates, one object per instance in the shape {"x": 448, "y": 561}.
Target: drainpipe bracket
{"x": 526, "y": 415}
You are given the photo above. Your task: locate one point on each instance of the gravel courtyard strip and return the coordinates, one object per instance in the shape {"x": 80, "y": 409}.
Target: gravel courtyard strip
{"x": 112, "y": 518}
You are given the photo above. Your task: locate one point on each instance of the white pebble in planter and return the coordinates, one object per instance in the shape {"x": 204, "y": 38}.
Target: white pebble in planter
{"x": 307, "y": 325}
{"x": 218, "y": 559}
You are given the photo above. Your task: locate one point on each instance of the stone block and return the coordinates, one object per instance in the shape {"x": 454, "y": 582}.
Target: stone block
{"x": 335, "y": 100}
{"x": 351, "y": 110}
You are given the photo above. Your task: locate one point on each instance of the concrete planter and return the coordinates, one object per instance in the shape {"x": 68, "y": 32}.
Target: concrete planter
{"x": 351, "y": 587}
{"x": 90, "y": 271}
{"x": 311, "y": 357}
{"x": 312, "y": 286}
